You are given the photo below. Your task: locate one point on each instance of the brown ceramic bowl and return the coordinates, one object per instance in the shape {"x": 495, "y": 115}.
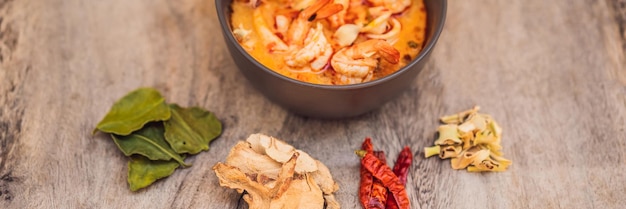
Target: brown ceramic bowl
{"x": 327, "y": 101}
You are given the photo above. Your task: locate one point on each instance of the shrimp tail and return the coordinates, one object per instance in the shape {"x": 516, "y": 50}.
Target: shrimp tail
{"x": 313, "y": 9}
{"x": 300, "y": 26}
{"x": 388, "y": 52}
{"x": 320, "y": 9}
{"x": 328, "y": 11}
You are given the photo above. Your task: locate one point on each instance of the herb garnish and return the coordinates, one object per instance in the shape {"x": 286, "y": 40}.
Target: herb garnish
{"x": 413, "y": 44}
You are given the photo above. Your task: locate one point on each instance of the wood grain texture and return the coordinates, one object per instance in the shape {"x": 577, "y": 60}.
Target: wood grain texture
{"x": 552, "y": 73}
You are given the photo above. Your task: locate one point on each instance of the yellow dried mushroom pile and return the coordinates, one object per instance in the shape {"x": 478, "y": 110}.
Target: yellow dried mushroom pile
{"x": 276, "y": 175}
{"x": 471, "y": 140}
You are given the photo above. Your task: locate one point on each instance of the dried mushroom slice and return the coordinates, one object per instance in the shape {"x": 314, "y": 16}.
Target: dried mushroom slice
{"x": 285, "y": 177}
{"x": 231, "y": 177}
{"x": 305, "y": 163}
{"x": 276, "y": 149}
{"x": 331, "y": 202}
{"x": 248, "y": 161}
{"x": 255, "y": 143}
{"x": 303, "y": 192}
{"x": 281, "y": 152}
{"x": 324, "y": 179}
{"x": 260, "y": 167}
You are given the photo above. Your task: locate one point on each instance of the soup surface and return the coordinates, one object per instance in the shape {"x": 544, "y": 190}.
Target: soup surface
{"x": 331, "y": 42}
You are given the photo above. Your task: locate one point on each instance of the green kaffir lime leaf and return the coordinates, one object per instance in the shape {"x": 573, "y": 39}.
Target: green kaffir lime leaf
{"x": 190, "y": 130}
{"x": 149, "y": 142}
{"x": 133, "y": 111}
{"x": 142, "y": 172}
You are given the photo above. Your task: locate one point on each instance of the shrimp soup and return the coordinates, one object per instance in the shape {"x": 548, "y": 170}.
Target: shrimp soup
{"x": 331, "y": 42}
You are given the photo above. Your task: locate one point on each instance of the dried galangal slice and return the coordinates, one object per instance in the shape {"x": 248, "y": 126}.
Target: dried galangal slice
{"x": 471, "y": 140}
{"x": 276, "y": 175}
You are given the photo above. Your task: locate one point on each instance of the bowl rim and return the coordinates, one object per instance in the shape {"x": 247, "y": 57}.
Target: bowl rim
{"x": 225, "y": 25}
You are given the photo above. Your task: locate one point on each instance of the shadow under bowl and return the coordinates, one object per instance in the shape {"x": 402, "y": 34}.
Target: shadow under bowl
{"x": 331, "y": 101}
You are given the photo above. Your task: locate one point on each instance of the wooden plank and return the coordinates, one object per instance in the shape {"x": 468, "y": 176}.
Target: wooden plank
{"x": 551, "y": 72}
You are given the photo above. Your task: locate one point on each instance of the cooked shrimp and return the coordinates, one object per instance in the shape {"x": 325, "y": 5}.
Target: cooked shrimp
{"x": 356, "y": 64}
{"x": 395, "y": 6}
{"x": 314, "y": 55}
{"x": 338, "y": 19}
{"x": 301, "y": 25}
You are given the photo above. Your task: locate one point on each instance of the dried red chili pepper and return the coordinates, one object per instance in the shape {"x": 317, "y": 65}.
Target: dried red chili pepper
{"x": 367, "y": 145}
{"x": 365, "y": 188}
{"x": 378, "y": 196}
{"x": 367, "y": 180}
{"x": 381, "y": 171}
{"x": 401, "y": 169}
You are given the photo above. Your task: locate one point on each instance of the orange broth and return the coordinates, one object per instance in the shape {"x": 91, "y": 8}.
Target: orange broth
{"x": 409, "y": 44}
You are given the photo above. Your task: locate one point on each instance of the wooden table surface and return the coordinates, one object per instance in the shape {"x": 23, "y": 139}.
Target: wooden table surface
{"x": 552, "y": 73}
